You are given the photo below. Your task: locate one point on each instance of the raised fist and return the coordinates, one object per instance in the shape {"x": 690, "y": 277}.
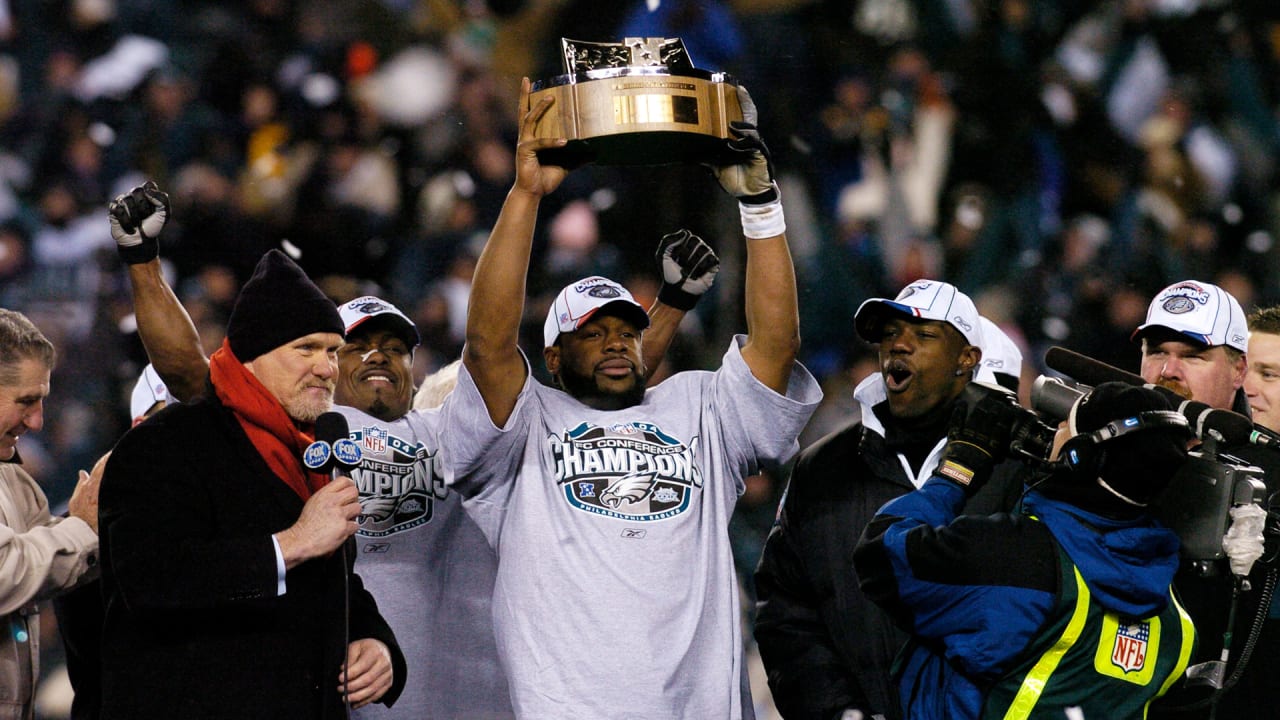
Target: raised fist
{"x": 689, "y": 268}
{"x": 136, "y": 218}
{"x": 748, "y": 175}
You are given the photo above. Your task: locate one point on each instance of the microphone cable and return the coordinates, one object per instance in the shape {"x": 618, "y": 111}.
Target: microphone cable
{"x": 346, "y": 633}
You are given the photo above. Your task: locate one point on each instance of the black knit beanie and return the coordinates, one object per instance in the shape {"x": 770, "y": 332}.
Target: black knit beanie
{"x": 1140, "y": 464}
{"x": 277, "y": 305}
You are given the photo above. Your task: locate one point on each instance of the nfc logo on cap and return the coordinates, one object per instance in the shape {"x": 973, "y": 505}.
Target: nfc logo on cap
{"x": 347, "y": 451}
{"x": 911, "y": 289}
{"x": 590, "y": 286}
{"x": 370, "y": 308}
{"x": 1178, "y": 305}
{"x": 316, "y": 456}
{"x": 604, "y": 291}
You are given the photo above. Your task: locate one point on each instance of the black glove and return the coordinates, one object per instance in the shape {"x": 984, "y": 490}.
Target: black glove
{"x": 978, "y": 435}
{"x": 136, "y": 218}
{"x": 689, "y": 268}
{"x": 749, "y": 174}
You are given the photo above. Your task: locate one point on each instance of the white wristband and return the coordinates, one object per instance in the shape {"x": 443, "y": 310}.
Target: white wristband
{"x": 762, "y": 221}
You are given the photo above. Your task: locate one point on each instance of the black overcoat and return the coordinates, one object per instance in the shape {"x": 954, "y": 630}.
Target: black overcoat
{"x": 194, "y": 625}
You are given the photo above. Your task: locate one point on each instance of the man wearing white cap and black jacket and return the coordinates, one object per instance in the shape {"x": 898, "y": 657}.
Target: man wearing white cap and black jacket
{"x": 1194, "y": 342}
{"x": 827, "y": 649}
{"x": 609, "y": 504}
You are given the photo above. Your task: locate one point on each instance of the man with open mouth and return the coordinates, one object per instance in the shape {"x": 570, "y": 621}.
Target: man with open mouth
{"x": 826, "y": 647}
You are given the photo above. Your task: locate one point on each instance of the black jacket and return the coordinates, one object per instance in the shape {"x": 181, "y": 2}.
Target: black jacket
{"x": 825, "y": 646}
{"x": 194, "y": 626}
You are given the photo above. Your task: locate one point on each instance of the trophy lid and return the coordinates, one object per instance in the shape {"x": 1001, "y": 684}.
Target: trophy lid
{"x": 583, "y": 56}
{"x": 583, "y": 61}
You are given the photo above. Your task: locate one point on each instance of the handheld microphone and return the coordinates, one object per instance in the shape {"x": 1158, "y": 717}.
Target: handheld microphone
{"x": 336, "y": 452}
{"x": 333, "y": 451}
{"x": 1234, "y": 428}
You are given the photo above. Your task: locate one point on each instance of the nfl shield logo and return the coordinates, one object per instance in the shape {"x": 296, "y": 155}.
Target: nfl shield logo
{"x": 1129, "y": 652}
{"x": 375, "y": 440}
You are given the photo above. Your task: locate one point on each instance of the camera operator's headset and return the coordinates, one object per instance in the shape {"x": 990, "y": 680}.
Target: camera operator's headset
{"x": 1085, "y": 454}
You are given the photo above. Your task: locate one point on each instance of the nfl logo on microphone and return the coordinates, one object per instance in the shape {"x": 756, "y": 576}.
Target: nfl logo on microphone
{"x": 1130, "y": 649}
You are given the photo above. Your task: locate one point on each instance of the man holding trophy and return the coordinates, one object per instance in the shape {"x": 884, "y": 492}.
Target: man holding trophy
{"x": 609, "y": 504}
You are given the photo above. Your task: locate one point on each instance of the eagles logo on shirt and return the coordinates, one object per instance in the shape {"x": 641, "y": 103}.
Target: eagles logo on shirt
{"x": 630, "y": 471}
{"x": 399, "y": 483}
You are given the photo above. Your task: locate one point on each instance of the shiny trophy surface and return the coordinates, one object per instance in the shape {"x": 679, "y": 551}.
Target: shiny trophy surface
{"x": 637, "y": 102}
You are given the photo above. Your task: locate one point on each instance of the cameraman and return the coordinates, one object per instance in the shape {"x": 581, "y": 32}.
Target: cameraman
{"x": 826, "y": 648}
{"x": 1064, "y": 604}
{"x": 1194, "y": 342}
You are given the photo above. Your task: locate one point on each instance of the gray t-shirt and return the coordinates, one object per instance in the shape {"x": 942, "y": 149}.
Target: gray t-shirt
{"x": 430, "y": 570}
{"x": 616, "y": 594}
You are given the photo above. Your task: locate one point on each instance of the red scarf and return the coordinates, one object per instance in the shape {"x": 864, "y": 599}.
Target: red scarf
{"x": 279, "y": 440}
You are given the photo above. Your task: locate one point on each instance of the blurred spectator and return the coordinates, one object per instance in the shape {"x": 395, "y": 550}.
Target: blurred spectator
{"x": 1071, "y": 157}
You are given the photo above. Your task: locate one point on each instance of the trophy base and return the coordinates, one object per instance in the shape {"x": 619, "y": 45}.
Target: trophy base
{"x": 639, "y": 148}
{"x": 638, "y": 116}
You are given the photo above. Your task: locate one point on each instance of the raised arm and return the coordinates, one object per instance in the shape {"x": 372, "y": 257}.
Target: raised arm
{"x": 773, "y": 318}
{"x": 491, "y": 353}
{"x": 688, "y": 266}
{"x": 167, "y": 332}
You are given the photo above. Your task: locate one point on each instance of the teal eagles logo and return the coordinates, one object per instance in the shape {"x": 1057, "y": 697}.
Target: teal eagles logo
{"x": 630, "y": 471}
{"x": 399, "y": 483}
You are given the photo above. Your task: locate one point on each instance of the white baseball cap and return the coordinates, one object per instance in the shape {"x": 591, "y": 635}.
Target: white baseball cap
{"x": 1000, "y": 355}
{"x": 364, "y": 309}
{"x": 148, "y": 391}
{"x": 926, "y": 300}
{"x": 578, "y": 301}
{"x": 1203, "y": 312}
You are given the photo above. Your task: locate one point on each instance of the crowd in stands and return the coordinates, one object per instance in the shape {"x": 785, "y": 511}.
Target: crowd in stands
{"x": 1058, "y": 161}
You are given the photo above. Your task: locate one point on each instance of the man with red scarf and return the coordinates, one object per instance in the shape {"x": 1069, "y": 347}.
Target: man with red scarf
{"x": 227, "y": 594}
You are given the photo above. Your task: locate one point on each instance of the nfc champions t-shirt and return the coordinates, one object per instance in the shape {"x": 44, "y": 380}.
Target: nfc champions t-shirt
{"x": 616, "y": 595}
{"x": 430, "y": 570}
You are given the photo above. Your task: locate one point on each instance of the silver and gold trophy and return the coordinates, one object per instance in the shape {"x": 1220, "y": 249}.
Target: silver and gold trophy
{"x": 637, "y": 102}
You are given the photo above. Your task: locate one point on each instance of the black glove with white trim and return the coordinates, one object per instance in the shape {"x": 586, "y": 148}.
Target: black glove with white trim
{"x": 136, "y": 218}
{"x": 689, "y": 268}
{"x": 749, "y": 177}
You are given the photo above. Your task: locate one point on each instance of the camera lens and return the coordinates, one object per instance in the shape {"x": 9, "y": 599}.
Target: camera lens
{"x": 1053, "y": 398}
